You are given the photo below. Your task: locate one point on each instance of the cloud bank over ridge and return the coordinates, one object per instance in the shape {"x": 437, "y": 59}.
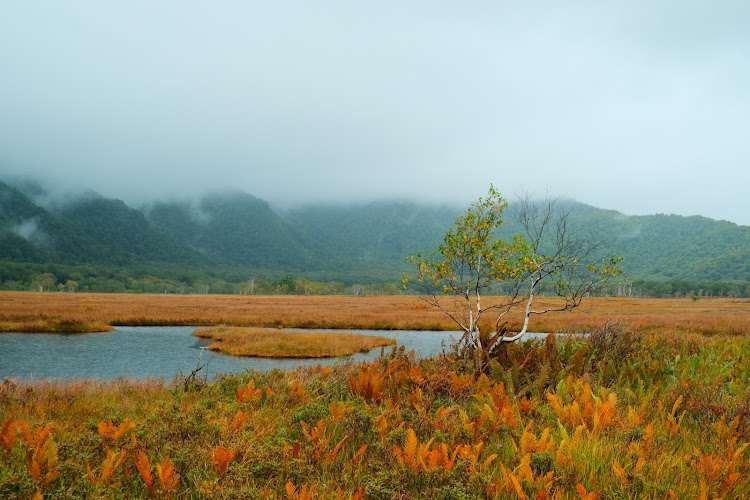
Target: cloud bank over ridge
{"x": 639, "y": 107}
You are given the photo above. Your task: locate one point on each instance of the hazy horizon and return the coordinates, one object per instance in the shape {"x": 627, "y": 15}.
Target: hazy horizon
{"x": 640, "y": 108}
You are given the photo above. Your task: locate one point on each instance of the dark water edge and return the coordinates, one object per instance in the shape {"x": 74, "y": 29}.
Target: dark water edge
{"x": 155, "y": 352}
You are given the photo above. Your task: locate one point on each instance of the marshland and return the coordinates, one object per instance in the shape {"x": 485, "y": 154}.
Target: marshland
{"x": 215, "y": 219}
{"x": 86, "y": 312}
{"x": 652, "y": 403}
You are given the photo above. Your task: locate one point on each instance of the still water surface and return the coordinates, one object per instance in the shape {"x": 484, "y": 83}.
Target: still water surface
{"x": 145, "y": 352}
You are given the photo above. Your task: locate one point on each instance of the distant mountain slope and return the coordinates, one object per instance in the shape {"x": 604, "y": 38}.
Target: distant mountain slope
{"x": 237, "y": 229}
{"x": 379, "y": 234}
{"x": 122, "y": 235}
{"x": 91, "y": 229}
{"x": 356, "y": 243}
{"x": 29, "y": 233}
{"x": 686, "y": 248}
{"x": 655, "y": 247}
{"x": 671, "y": 247}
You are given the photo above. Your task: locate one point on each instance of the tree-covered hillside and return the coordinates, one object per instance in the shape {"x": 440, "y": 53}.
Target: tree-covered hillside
{"x": 655, "y": 247}
{"x": 30, "y": 233}
{"x": 238, "y": 229}
{"x": 89, "y": 230}
{"x": 373, "y": 238}
{"x": 221, "y": 240}
{"x": 672, "y": 247}
{"x": 122, "y": 235}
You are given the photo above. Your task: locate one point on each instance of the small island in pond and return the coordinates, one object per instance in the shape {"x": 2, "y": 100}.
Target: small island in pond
{"x": 280, "y": 343}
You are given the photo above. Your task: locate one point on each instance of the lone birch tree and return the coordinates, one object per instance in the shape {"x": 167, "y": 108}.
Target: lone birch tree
{"x": 472, "y": 263}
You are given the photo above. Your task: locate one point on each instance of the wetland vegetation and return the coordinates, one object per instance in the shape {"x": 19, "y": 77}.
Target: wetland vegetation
{"x": 278, "y": 343}
{"x": 49, "y": 312}
{"x": 618, "y": 414}
{"x": 654, "y": 404}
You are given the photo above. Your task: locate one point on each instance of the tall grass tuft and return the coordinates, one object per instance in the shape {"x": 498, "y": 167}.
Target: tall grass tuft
{"x": 275, "y": 343}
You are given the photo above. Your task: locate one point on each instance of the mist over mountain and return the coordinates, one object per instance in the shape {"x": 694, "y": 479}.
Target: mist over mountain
{"x": 122, "y": 235}
{"x": 373, "y": 236}
{"x": 235, "y": 228}
{"x": 29, "y": 233}
{"x": 232, "y": 235}
{"x": 90, "y": 229}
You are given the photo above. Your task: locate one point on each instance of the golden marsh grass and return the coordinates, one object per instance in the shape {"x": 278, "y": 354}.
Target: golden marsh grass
{"x": 45, "y": 312}
{"x": 275, "y": 343}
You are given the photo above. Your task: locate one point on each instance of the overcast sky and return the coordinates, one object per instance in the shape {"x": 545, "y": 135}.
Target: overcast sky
{"x": 640, "y": 106}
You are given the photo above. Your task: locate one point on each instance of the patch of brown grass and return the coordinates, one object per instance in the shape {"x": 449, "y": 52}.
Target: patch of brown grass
{"x": 275, "y": 343}
{"x": 61, "y": 327}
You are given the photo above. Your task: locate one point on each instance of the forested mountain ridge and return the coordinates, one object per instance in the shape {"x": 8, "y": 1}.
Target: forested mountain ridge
{"x": 89, "y": 229}
{"x": 29, "y": 233}
{"x": 238, "y": 229}
{"x": 243, "y": 236}
{"x": 376, "y": 235}
{"x": 672, "y": 247}
{"x": 686, "y": 248}
{"x": 122, "y": 235}
{"x": 654, "y": 247}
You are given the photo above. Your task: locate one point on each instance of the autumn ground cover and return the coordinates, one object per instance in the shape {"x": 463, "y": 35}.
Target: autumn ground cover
{"x": 654, "y": 408}
{"x": 68, "y": 312}
{"x": 614, "y": 415}
{"x": 276, "y": 343}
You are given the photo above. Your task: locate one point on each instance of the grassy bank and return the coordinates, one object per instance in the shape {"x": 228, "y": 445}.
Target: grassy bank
{"x": 275, "y": 343}
{"x": 27, "y": 311}
{"x": 616, "y": 415}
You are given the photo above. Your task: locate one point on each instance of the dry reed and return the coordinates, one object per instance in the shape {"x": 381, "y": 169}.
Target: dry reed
{"x": 28, "y": 311}
{"x": 275, "y": 343}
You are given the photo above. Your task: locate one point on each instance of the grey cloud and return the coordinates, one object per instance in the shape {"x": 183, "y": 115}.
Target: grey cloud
{"x": 30, "y": 231}
{"x": 639, "y": 106}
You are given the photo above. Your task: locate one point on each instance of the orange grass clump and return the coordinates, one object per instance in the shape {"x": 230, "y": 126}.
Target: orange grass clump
{"x": 221, "y": 458}
{"x": 275, "y": 343}
{"x": 168, "y": 478}
{"x": 71, "y": 312}
{"x": 144, "y": 467}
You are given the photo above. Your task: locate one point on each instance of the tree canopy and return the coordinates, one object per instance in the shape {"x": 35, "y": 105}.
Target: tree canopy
{"x": 472, "y": 262}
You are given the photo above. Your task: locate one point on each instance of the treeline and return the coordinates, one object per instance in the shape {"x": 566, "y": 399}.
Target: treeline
{"x": 681, "y": 288}
{"x": 71, "y": 279}
{"x": 96, "y": 279}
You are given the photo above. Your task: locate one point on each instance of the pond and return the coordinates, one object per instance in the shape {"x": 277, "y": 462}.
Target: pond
{"x": 145, "y": 352}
